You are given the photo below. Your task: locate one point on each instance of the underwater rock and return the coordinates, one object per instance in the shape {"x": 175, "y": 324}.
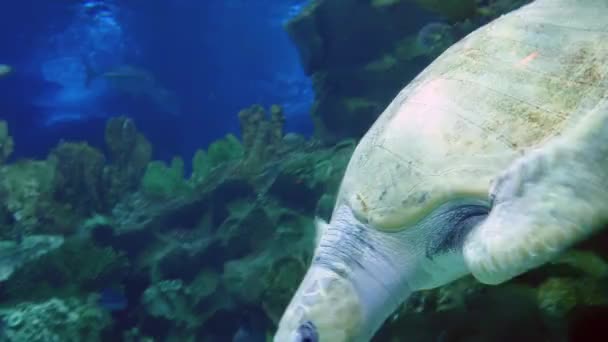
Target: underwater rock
{"x": 453, "y": 10}
{"x": 14, "y": 255}
{"x": 469, "y": 311}
{"x": 330, "y": 36}
{"x": 70, "y": 320}
{"x": 6, "y": 142}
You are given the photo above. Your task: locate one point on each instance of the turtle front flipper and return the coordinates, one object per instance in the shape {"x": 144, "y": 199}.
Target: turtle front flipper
{"x": 544, "y": 202}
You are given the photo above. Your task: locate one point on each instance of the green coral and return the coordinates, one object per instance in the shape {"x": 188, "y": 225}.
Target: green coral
{"x": 270, "y": 274}
{"x": 79, "y": 265}
{"x": 79, "y": 180}
{"x": 205, "y": 284}
{"x": 223, "y": 150}
{"x": 165, "y": 181}
{"x": 130, "y": 152}
{"x": 26, "y": 191}
{"x": 322, "y": 167}
{"x": 171, "y": 299}
{"x": 201, "y": 167}
{"x": 262, "y": 136}
{"x": 14, "y": 255}
{"x": 558, "y": 295}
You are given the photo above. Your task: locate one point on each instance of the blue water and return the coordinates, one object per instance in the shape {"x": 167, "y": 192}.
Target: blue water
{"x": 213, "y": 57}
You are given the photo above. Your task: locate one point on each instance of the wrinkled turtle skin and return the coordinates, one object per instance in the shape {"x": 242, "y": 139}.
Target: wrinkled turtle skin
{"x": 491, "y": 162}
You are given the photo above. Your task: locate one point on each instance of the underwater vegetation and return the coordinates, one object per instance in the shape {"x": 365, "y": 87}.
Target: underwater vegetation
{"x": 111, "y": 244}
{"x": 117, "y": 232}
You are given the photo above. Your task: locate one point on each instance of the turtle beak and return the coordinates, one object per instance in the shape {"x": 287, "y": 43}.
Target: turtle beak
{"x": 325, "y": 307}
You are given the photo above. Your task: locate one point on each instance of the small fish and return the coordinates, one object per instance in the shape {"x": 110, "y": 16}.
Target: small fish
{"x": 247, "y": 335}
{"x": 5, "y": 70}
{"x": 250, "y": 330}
{"x": 112, "y": 300}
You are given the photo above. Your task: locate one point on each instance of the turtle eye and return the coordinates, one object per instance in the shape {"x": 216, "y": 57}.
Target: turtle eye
{"x": 307, "y": 332}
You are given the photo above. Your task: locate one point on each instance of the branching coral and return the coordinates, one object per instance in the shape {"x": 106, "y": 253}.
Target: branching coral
{"x": 78, "y": 266}
{"x": 79, "y": 180}
{"x": 130, "y": 152}
{"x": 262, "y": 136}
{"x": 224, "y": 150}
{"x": 165, "y": 181}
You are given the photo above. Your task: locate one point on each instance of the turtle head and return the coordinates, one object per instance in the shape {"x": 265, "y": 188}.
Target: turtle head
{"x": 351, "y": 287}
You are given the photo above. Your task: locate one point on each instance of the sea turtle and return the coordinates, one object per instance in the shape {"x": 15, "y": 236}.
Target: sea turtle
{"x": 491, "y": 161}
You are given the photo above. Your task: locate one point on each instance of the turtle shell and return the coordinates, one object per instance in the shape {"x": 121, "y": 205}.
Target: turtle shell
{"x": 509, "y": 86}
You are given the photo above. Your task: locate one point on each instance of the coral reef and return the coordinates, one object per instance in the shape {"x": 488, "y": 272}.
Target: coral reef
{"x": 70, "y": 319}
{"x": 202, "y": 256}
{"x": 26, "y": 195}
{"x": 77, "y": 266}
{"x": 224, "y": 150}
{"x": 164, "y": 181}
{"x": 14, "y": 255}
{"x": 171, "y": 300}
{"x": 79, "y": 177}
{"x": 129, "y": 153}
{"x": 262, "y": 136}
{"x": 558, "y": 296}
